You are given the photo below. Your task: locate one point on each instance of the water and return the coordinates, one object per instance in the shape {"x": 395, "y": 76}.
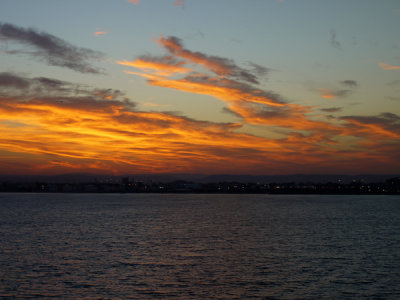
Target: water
{"x": 146, "y": 246}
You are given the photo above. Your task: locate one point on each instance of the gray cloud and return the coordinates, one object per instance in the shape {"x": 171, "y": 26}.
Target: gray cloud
{"x": 234, "y": 85}
{"x": 341, "y": 93}
{"x": 331, "y": 94}
{"x": 230, "y": 111}
{"x": 332, "y": 109}
{"x": 10, "y": 80}
{"x": 349, "y": 83}
{"x": 387, "y": 120}
{"x": 258, "y": 70}
{"x": 49, "y": 90}
{"x": 334, "y": 41}
{"x": 50, "y": 82}
{"x": 22, "y": 87}
{"x": 167, "y": 60}
{"x": 217, "y": 64}
{"x": 51, "y": 49}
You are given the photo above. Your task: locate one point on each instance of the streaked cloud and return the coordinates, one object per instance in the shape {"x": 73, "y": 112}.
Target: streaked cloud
{"x": 244, "y": 100}
{"x": 216, "y": 64}
{"x": 14, "y": 85}
{"x": 163, "y": 66}
{"x": 100, "y": 33}
{"x": 288, "y": 103}
{"x": 151, "y": 104}
{"x": 380, "y": 126}
{"x": 332, "y": 109}
{"x": 333, "y": 94}
{"x": 53, "y": 126}
{"x": 387, "y": 67}
{"x": 180, "y": 3}
{"x": 10, "y": 80}
{"x": 51, "y": 49}
{"x": 85, "y": 132}
{"x": 349, "y": 83}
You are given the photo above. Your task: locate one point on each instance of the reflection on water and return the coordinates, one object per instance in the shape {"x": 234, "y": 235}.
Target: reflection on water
{"x": 199, "y": 246}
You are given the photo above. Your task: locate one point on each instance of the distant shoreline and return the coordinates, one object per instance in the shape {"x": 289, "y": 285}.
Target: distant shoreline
{"x": 196, "y": 193}
{"x": 125, "y": 186}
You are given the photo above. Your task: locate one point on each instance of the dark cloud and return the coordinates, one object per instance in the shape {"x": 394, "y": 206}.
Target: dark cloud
{"x": 349, "y": 83}
{"x": 332, "y": 94}
{"x": 387, "y": 120}
{"x": 51, "y": 49}
{"x": 10, "y": 80}
{"x": 381, "y": 118}
{"x": 341, "y": 93}
{"x": 15, "y": 85}
{"x": 219, "y": 65}
{"x": 230, "y": 111}
{"x": 271, "y": 113}
{"x": 232, "y": 84}
{"x": 332, "y": 109}
{"x": 50, "y": 82}
{"x": 166, "y": 59}
{"x": 247, "y": 91}
{"x": 66, "y": 94}
{"x": 90, "y": 103}
{"x": 334, "y": 41}
{"x": 43, "y": 91}
{"x": 390, "y": 116}
{"x": 259, "y": 70}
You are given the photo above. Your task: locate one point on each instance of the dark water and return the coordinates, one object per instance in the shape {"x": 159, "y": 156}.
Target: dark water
{"x": 199, "y": 246}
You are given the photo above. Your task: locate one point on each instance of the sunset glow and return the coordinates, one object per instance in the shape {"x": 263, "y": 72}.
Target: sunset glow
{"x": 146, "y": 102}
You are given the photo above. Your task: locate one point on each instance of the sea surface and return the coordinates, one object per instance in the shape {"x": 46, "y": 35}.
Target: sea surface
{"x": 188, "y": 246}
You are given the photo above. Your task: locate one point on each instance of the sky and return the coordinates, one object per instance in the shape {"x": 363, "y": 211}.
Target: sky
{"x": 262, "y": 87}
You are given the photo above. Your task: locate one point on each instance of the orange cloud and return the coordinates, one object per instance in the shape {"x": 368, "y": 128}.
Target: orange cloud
{"x": 219, "y": 65}
{"x": 388, "y": 67}
{"x": 51, "y": 126}
{"x": 333, "y": 94}
{"x": 107, "y": 94}
{"x": 105, "y": 136}
{"x": 254, "y": 106}
{"x": 180, "y": 3}
{"x": 163, "y": 67}
{"x": 223, "y": 89}
{"x": 174, "y": 46}
{"x": 150, "y": 104}
{"x": 125, "y": 140}
{"x": 99, "y": 33}
{"x": 136, "y": 2}
{"x": 327, "y": 93}
{"x": 376, "y": 128}
{"x": 306, "y": 132}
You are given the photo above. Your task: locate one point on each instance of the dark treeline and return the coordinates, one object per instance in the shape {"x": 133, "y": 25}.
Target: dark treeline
{"x": 127, "y": 185}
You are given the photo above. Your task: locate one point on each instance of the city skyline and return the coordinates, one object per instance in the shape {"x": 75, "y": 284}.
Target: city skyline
{"x": 199, "y": 87}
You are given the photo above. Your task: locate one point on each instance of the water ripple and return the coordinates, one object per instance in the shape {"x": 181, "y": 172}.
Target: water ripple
{"x": 199, "y": 246}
